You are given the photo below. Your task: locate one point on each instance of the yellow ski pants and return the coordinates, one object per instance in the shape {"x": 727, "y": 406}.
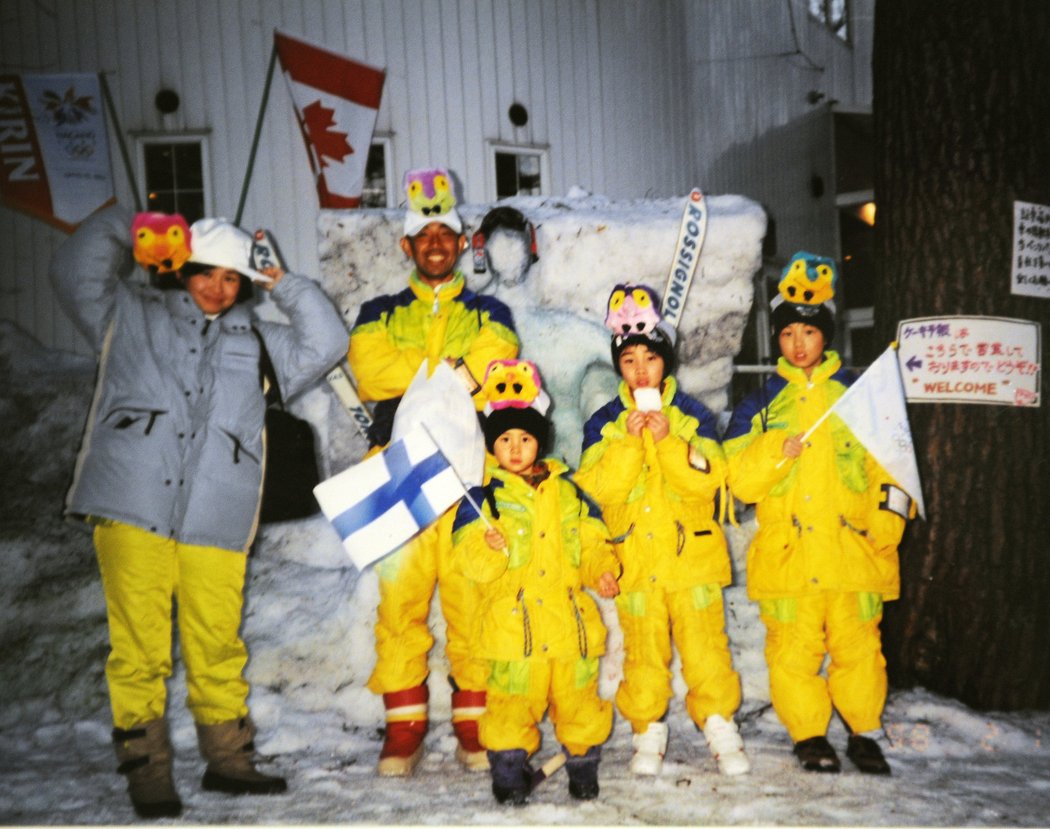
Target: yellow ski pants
{"x": 407, "y": 579}
{"x": 141, "y": 574}
{"x": 696, "y": 619}
{"x": 520, "y": 692}
{"x": 800, "y": 631}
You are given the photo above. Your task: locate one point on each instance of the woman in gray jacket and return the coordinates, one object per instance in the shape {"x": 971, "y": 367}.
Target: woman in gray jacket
{"x": 170, "y": 475}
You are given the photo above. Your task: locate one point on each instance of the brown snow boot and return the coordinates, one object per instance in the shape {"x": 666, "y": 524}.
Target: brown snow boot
{"x": 406, "y": 726}
{"x": 145, "y": 757}
{"x": 467, "y": 706}
{"x": 228, "y": 747}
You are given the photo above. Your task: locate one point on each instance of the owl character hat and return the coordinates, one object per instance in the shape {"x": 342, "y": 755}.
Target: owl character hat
{"x": 806, "y": 294}
{"x": 514, "y": 399}
{"x": 633, "y": 317}
{"x": 430, "y": 198}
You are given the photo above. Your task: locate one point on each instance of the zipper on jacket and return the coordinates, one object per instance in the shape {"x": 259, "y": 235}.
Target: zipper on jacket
{"x": 581, "y": 631}
{"x": 526, "y": 627}
{"x": 797, "y": 524}
{"x": 681, "y": 537}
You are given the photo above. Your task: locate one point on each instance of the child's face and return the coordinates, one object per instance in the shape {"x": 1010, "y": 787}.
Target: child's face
{"x": 641, "y": 368}
{"x": 802, "y": 345}
{"x": 516, "y": 450}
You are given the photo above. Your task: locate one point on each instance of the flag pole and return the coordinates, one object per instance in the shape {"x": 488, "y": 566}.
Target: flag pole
{"x": 459, "y": 480}
{"x": 120, "y": 140}
{"x": 255, "y": 138}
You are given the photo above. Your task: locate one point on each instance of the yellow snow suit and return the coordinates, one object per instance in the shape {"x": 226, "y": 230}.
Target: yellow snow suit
{"x": 661, "y": 509}
{"x": 824, "y": 558}
{"x": 538, "y": 629}
{"x": 392, "y": 336}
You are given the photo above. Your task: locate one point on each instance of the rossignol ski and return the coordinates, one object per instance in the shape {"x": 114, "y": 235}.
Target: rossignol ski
{"x": 691, "y": 235}
{"x": 266, "y": 255}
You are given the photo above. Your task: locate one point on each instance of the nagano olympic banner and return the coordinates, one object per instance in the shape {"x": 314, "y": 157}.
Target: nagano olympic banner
{"x": 54, "y": 151}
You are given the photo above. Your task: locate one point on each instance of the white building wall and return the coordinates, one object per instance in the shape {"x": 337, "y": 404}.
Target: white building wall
{"x": 632, "y": 98}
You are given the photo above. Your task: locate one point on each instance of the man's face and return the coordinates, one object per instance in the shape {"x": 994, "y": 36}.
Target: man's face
{"x": 435, "y": 251}
{"x": 641, "y": 367}
{"x": 516, "y": 450}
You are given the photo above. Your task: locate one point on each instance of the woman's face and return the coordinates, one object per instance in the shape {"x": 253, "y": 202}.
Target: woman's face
{"x": 215, "y": 290}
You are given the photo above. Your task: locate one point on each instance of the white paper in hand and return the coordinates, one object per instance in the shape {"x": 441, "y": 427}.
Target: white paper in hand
{"x": 445, "y": 407}
{"x": 648, "y": 400}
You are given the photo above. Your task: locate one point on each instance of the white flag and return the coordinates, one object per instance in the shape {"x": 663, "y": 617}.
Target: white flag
{"x": 380, "y": 503}
{"x": 874, "y": 410}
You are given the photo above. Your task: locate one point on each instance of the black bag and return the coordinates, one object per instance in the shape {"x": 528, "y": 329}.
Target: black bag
{"x": 291, "y": 463}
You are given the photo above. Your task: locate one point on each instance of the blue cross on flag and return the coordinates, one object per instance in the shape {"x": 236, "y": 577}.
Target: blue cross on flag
{"x": 380, "y": 503}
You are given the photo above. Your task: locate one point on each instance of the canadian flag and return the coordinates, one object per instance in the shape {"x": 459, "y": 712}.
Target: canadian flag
{"x": 336, "y": 102}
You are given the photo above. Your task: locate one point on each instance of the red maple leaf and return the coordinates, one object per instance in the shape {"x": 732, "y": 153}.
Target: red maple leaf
{"x": 328, "y": 143}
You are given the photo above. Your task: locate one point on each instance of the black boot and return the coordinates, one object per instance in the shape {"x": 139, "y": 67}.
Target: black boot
{"x": 866, "y": 755}
{"x": 583, "y": 773}
{"x": 511, "y": 776}
{"x": 816, "y": 754}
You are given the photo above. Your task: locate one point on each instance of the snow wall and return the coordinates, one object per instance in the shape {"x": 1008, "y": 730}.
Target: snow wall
{"x": 585, "y": 246}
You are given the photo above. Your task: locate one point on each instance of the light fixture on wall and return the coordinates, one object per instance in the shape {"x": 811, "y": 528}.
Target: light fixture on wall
{"x": 519, "y": 116}
{"x": 167, "y": 101}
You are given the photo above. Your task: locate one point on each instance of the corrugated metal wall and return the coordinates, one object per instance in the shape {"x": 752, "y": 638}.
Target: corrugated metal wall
{"x": 632, "y": 97}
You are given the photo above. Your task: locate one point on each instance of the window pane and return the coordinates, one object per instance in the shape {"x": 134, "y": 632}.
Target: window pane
{"x": 506, "y": 175}
{"x": 374, "y": 192}
{"x": 529, "y": 175}
{"x": 160, "y": 168}
{"x": 188, "y": 173}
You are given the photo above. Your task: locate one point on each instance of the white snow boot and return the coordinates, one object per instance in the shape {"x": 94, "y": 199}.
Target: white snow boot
{"x": 726, "y": 746}
{"x": 649, "y": 749}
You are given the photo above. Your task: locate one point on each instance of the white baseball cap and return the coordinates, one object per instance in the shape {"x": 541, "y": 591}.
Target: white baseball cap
{"x": 221, "y": 244}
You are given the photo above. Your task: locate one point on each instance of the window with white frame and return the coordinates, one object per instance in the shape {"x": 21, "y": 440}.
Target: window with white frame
{"x": 173, "y": 171}
{"x": 832, "y": 13}
{"x": 519, "y": 171}
{"x": 379, "y": 187}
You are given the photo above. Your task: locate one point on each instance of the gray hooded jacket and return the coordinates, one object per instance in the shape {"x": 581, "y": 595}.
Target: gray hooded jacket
{"x": 174, "y": 440}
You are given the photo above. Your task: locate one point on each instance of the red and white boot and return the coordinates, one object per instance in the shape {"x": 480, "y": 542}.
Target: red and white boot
{"x": 406, "y": 726}
{"x": 467, "y": 706}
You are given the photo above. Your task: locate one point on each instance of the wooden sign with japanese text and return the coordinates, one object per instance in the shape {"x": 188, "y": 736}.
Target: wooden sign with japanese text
{"x": 1030, "y": 266}
{"x": 992, "y": 360}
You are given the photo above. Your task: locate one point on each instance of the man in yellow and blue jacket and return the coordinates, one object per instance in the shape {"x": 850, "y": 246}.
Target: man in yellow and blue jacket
{"x": 652, "y": 460}
{"x": 537, "y": 545}
{"x": 824, "y": 558}
{"x": 435, "y": 318}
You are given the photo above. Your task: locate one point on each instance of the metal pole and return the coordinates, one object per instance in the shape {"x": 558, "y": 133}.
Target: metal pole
{"x": 255, "y": 139}
{"x": 120, "y": 140}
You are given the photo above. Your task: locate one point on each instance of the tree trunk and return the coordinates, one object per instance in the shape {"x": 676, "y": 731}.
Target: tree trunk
{"x": 962, "y": 130}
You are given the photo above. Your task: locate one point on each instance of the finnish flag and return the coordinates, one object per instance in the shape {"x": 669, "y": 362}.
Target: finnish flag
{"x": 380, "y": 503}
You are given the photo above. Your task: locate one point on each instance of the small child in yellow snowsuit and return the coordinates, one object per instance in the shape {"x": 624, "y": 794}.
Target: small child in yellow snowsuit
{"x": 537, "y": 544}
{"x": 652, "y": 460}
{"x": 830, "y": 518}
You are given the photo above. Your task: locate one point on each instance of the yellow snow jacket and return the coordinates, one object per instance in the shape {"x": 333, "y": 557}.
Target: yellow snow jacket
{"x": 822, "y": 521}
{"x": 658, "y": 498}
{"x": 533, "y": 603}
{"x": 394, "y": 333}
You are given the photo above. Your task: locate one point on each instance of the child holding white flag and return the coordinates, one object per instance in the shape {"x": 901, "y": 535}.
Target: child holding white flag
{"x": 830, "y": 518}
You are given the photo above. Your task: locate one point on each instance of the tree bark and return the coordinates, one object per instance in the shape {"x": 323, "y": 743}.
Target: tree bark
{"x": 962, "y": 130}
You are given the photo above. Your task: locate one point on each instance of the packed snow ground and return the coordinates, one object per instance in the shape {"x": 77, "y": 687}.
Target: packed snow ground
{"x": 308, "y": 628}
